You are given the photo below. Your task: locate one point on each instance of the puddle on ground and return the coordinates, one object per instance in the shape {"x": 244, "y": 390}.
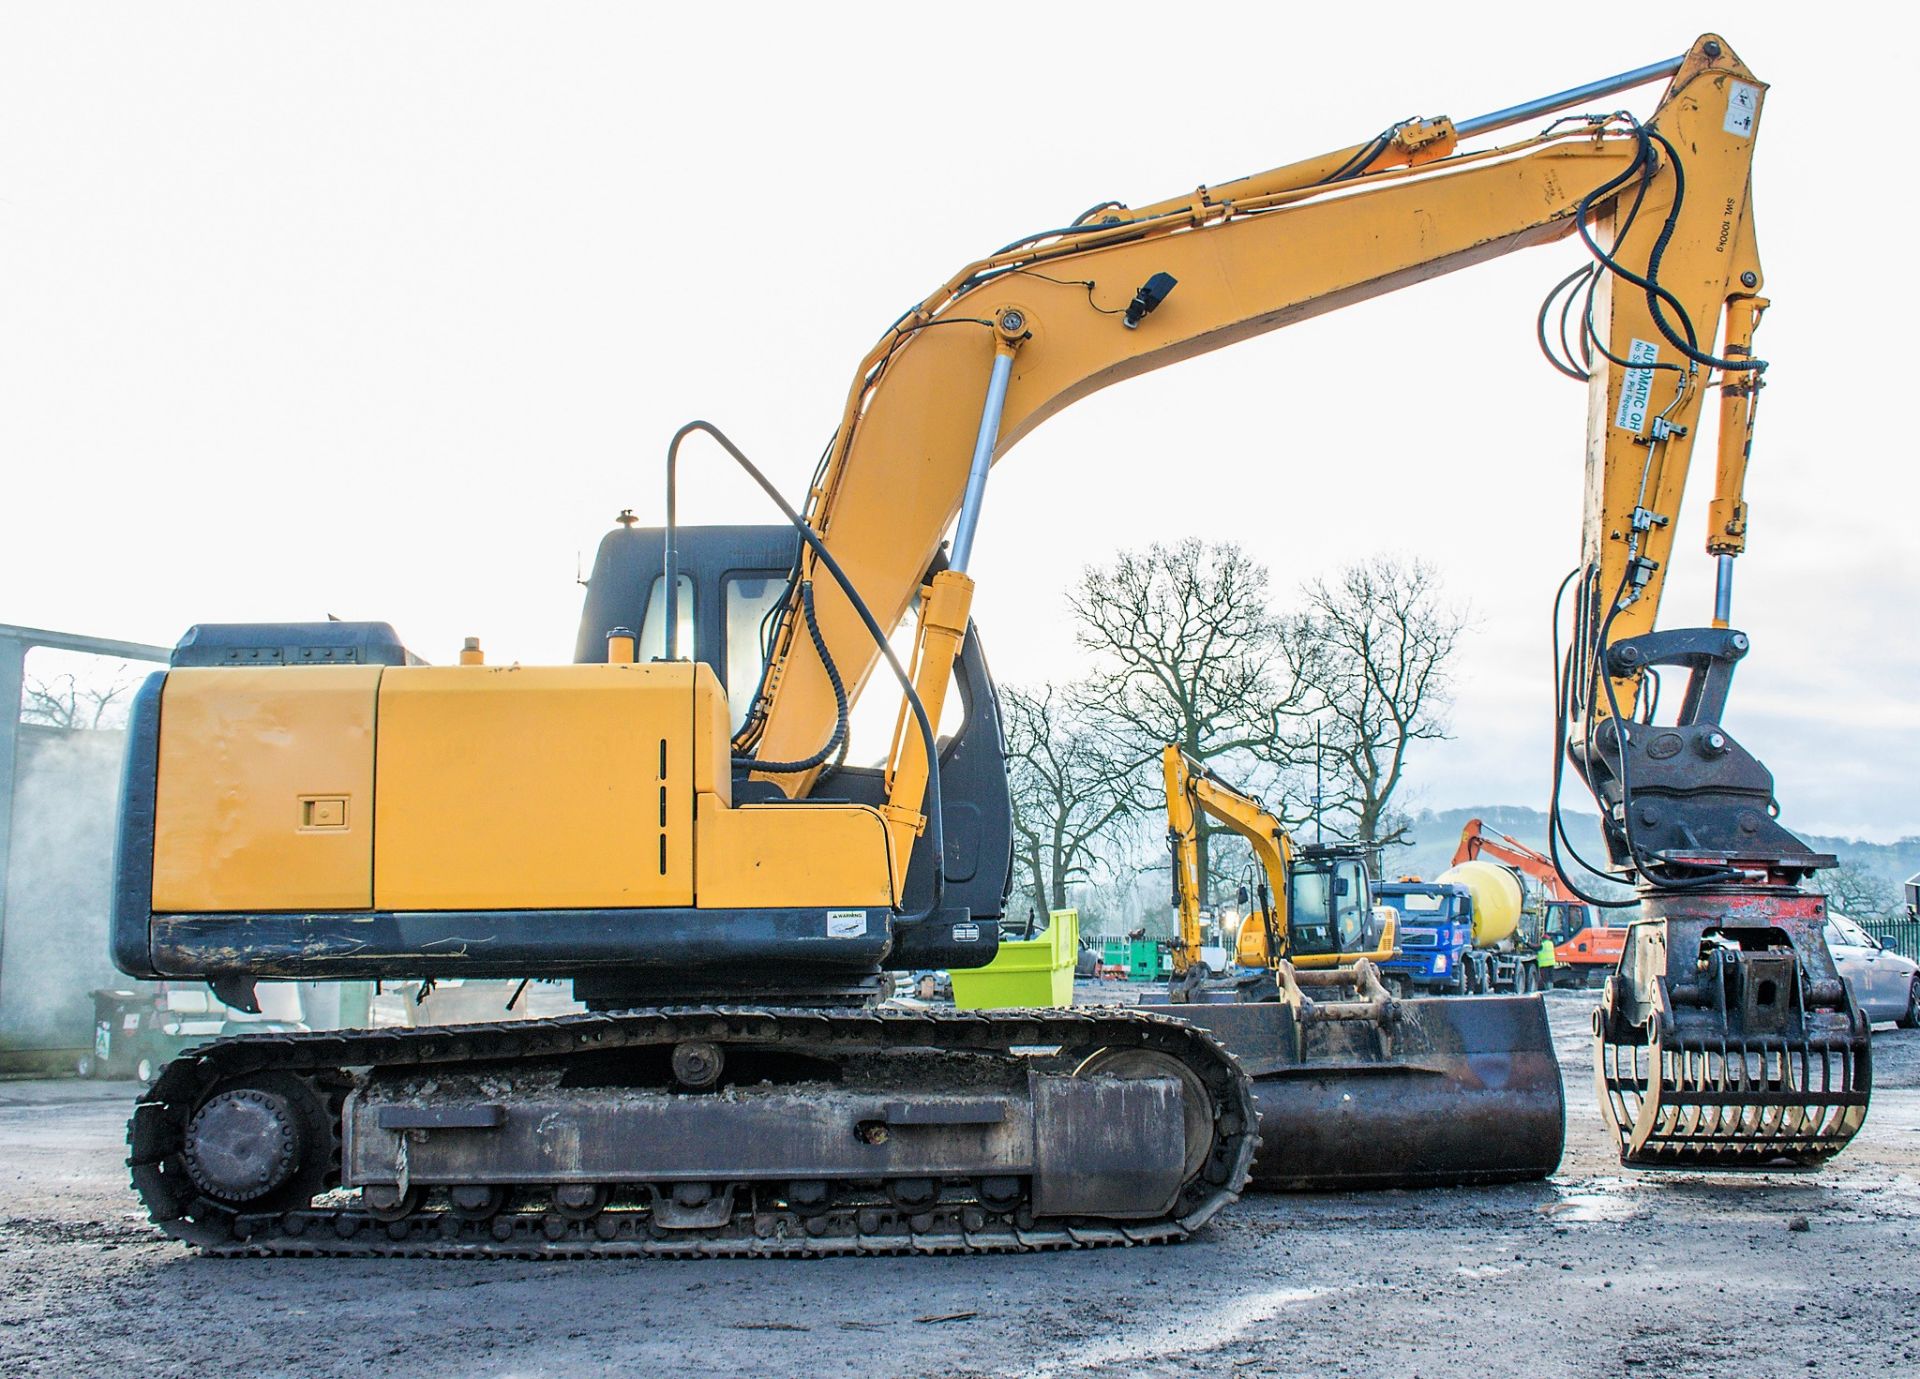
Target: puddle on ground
{"x": 1195, "y": 1331}
{"x": 1593, "y": 1200}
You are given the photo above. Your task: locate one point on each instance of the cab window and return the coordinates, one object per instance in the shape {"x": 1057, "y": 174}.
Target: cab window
{"x": 1350, "y": 905}
{"x": 750, "y": 600}
{"x": 1564, "y": 920}
{"x": 1328, "y": 913}
{"x": 1309, "y": 913}
{"x": 653, "y": 631}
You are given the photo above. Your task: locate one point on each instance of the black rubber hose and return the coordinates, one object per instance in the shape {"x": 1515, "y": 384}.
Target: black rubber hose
{"x": 1689, "y": 345}
{"x": 1566, "y": 367}
{"x": 936, "y": 819}
{"x": 1556, "y": 825}
{"x": 839, "y": 738}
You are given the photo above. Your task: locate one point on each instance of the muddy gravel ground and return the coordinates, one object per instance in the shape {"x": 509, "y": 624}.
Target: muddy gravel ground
{"x": 1597, "y": 1271}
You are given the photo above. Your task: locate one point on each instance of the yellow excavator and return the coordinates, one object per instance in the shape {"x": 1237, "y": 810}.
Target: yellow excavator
{"x": 1356, "y": 1088}
{"x": 1312, "y": 910}
{"x": 670, "y": 822}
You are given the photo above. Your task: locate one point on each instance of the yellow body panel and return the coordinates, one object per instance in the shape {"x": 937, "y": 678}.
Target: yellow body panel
{"x": 1251, "y": 949}
{"x": 713, "y": 747}
{"x": 499, "y": 787}
{"x": 265, "y": 797}
{"x": 793, "y": 856}
{"x": 548, "y": 787}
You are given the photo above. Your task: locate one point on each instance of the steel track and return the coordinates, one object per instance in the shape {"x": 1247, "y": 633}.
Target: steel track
{"x": 849, "y": 1226}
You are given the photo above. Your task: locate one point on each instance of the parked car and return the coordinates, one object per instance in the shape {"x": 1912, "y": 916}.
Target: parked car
{"x": 1886, "y": 985}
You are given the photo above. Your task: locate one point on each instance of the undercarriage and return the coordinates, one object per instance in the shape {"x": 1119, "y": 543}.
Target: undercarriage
{"x": 700, "y": 1132}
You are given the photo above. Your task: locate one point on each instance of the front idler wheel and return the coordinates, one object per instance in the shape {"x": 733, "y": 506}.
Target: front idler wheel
{"x": 264, "y": 1144}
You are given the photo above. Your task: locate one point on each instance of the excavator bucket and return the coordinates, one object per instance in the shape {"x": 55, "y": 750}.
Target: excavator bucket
{"x": 1357, "y": 1089}
{"x": 1727, "y": 1039}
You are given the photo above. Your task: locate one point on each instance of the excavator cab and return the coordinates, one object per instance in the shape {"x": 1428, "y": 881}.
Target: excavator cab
{"x": 731, "y": 578}
{"x": 733, "y": 582}
{"x": 1329, "y": 902}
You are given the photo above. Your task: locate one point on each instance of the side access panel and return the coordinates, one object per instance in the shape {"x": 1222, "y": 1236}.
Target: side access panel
{"x": 536, "y": 787}
{"x": 264, "y": 798}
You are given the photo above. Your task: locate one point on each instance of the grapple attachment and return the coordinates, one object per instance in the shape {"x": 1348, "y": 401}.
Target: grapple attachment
{"x": 1727, "y": 1040}
{"x": 1357, "y": 1089}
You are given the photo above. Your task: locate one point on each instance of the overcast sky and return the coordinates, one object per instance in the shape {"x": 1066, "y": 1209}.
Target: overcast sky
{"x": 387, "y": 310}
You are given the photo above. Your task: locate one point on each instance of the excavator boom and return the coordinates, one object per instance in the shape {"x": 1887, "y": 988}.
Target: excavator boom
{"x": 1058, "y": 315}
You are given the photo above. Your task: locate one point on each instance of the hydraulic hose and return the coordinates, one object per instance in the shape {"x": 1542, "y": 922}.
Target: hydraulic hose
{"x": 839, "y": 738}
{"x": 936, "y": 822}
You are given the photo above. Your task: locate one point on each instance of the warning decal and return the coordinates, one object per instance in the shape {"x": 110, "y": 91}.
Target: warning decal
{"x": 846, "y": 923}
{"x": 1636, "y": 387}
{"x": 1743, "y": 108}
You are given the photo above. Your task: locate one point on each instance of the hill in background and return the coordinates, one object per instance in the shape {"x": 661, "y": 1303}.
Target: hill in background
{"x": 1437, "y": 832}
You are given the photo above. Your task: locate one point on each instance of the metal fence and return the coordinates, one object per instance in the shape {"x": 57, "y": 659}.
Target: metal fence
{"x": 1900, "y": 936}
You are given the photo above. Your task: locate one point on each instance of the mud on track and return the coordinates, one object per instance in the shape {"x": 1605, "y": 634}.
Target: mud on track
{"x": 1595, "y": 1272}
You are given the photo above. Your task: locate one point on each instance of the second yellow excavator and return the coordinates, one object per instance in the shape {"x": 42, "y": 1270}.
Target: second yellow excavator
{"x": 1356, "y": 1088}
{"x": 671, "y": 824}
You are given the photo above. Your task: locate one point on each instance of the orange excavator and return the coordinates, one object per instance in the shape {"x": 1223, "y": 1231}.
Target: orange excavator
{"x": 1586, "y": 946}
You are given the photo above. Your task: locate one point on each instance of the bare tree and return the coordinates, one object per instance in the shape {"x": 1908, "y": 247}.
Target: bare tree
{"x": 1069, "y": 791}
{"x": 1859, "y": 893}
{"x": 1374, "y": 643}
{"x": 1186, "y": 651}
{"x": 63, "y": 702}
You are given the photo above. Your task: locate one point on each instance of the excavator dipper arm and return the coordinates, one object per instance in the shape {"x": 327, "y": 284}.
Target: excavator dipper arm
{"x": 1192, "y": 791}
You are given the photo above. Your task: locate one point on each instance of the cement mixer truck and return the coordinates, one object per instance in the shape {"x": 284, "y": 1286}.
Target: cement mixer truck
{"x": 1475, "y": 928}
